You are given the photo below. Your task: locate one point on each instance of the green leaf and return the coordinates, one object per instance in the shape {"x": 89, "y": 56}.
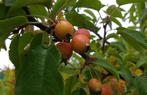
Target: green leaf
{"x": 80, "y": 21}
{"x": 7, "y": 25}
{"x": 38, "y": 10}
{"x": 140, "y": 84}
{"x": 140, "y": 8}
{"x": 143, "y": 17}
{"x": 123, "y": 70}
{"x": 91, "y": 13}
{"x": 93, "y": 4}
{"x": 36, "y": 40}
{"x": 125, "y": 73}
{"x": 21, "y": 3}
{"x": 19, "y": 12}
{"x": 69, "y": 84}
{"x": 59, "y": 6}
{"x": 88, "y": 18}
{"x": 3, "y": 11}
{"x": 10, "y": 23}
{"x": 113, "y": 35}
{"x": 13, "y": 52}
{"x": 80, "y": 91}
{"x": 8, "y": 2}
{"x": 134, "y": 38}
{"x": 45, "y": 38}
{"x": 24, "y": 40}
{"x": 141, "y": 61}
{"x": 101, "y": 62}
{"x": 122, "y": 2}
{"x": 114, "y": 11}
{"x": 113, "y": 19}
{"x": 17, "y": 48}
{"x": 119, "y": 45}
{"x": 39, "y": 73}
{"x": 132, "y": 10}
{"x": 67, "y": 71}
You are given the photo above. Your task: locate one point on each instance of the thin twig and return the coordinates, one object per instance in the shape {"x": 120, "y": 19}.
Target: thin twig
{"x": 39, "y": 25}
{"x": 15, "y": 31}
{"x": 104, "y": 38}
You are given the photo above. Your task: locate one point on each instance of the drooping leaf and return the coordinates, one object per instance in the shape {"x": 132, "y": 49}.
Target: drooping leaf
{"x": 17, "y": 48}
{"x": 142, "y": 61}
{"x": 80, "y": 21}
{"x": 101, "y": 62}
{"x": 123, "y": 70}
{"x": 39, "y": 70}
{"x": 7, "y": 25}
{"x": 125, "y": 73}
{"x": 93, "y": 4}
{"x": 114, "y": 11}
{"x": 134, "y": 38}
{"x": 13, "y": 52}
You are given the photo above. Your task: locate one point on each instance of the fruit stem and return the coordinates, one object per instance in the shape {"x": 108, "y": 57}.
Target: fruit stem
{"x": 90, "y": 72}
{"x": 104, "y": 37}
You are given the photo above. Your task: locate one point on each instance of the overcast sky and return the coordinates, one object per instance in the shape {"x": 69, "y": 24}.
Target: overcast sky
{"x": 4, "y": 59}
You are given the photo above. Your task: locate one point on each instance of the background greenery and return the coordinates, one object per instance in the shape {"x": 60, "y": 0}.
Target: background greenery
{"x": 38, "y": 66}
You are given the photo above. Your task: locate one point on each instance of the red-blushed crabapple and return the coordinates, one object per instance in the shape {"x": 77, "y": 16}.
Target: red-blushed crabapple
{"x": 80, "y": 43}
{"x": 63, "y": 28}
{"x": 65, "y": 49}
{"x": 94, "y": 84}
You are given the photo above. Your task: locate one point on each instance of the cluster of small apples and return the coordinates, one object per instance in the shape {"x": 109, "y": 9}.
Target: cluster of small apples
{"x": 96, "y": 85}
{"x": 118, "y": 86}
{"x": 108, "y": 87}
{"x": 79, "y": 42}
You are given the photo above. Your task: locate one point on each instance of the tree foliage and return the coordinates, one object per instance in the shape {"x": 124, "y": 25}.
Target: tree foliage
{"x": 116, "y": 54}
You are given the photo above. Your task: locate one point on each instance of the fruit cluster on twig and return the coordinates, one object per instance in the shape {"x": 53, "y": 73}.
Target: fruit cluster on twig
{"x": 109, "y": 86}
{"x": 79, "y": 42}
